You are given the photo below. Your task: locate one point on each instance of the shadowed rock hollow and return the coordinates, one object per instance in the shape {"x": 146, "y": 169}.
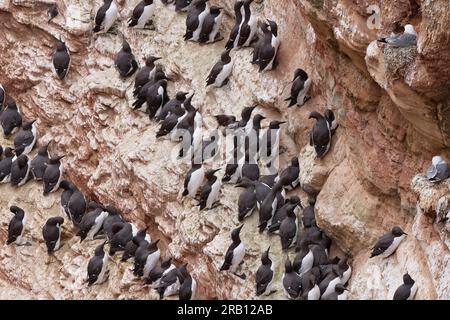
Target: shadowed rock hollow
{"x": 392, "y": 106}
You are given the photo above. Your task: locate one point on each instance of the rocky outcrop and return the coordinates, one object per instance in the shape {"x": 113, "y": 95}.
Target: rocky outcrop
{"x": 393, "y": 112}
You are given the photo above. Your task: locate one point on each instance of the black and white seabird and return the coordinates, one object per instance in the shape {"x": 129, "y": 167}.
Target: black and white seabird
{"x": 142, "y": 14}
{"x": 328, "y": 284}
{"x": 220, "y": 73}
{"x": 151, "y": 87}
{"x": 267, "y": 52}
{"x": 346, "y": 270}
{"x": 106, "y": 16}
{"x": 131, "y": 246}
{"x": 209, "y": 32}
{"x": 309, "y": 216}
{"x": 193, "y": 180}
{"x": 16, "y": 226}
{"x": 268, "y": 207}
{"x": 5, "y": 165}
{"x": 270, "y": 141}
{"x": 406, "y": 39}
{"x": 247, "y": 199}
{"x": 292, "y": 205}
{"x": 156, "y": 274}
{"x": 407, "y": 290}
{"x": 232, "y": 168}
{"x": 98, "y": 266}
{"x": 114, "y": 216}
{"x": 156, "y": 98}
{"x": 194, "y": 20}
{"x": 320, "y": 135}
{"x": 310, "y": 289}
{"x": 124, "y": 61}
{"x": 388, "y": 243}
{"x": 52, "y": 233}
{"x": 92, "y": 221}
{"x": 291, "y": 281}
{"x": 25, "y": 139}
{"x": 20, "y": 170}
{"x": 288, "y": 230}
{"x": 439, "y": 170}
{"x": 73, "y": 202}
{"x": 234, "y": 34}
{"x": 234, "y": 256}
{"x": 174, "y": 107}
{"x": 10, "y": 118}
{"x": 53, "y": 175}
{"x": 145, "y": 74}
{"x": 264, "y": 275}
{"x": 52, "y": 11}
{"x": 146, "y": 258}
{"x": 289, "y": 178}
{"x": 61, "y": 60}
{"x": 299, "y": 89}
{"x": 169, "y": 283}
{"x": 209, "y": 194}
{"x": 122, "y": 234}
{"x": 249, "y": 167}
{"x": 188, "y": 286}
{"x": 248, "y": 28}
{"x": 304, "y": 260}
{"x": 39, "y": 163}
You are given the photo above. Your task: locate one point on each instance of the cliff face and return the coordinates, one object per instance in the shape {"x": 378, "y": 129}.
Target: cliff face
{"x": 392, "y": 106}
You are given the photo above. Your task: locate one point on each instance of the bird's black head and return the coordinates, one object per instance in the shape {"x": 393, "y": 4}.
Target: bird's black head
{"x": 247, "y": 112}
{"x": 265, "y": 259}
{"x": 65, "y": 185}
{"x": 257, "y": 119}
{"x": 300, "y": 73}
{"x": 294, "y": 162}
{"x": 126, "y": 46}
{"x": 315, "y": 115}
{"x": 397, "y": 231}
{"x": 166, "y": 263}
{"x": 181, "y": 96}
{"x": 407, "y": 279}
{"x": 150, "y": 61}
{"x": 148, "y": 2}
{"x": 18, "y": 212}
{"x": 11, "y": 104}
{"x": 329, "y": 115}
{"x": 294, "y": 200}
{"x": 22, "y": 161}
{"x": 56, "y": 160}
{"x": 339, "y": 288}
{"x": 275, "y": 124}
{"x": 9, "y": 153}
{"x": 214, "y": 10}
{"x": 245, "y": 183}
{"x": 100, "y": 250}
{"x": 225, "y": 57}
{"x": 43, "y": 151}
{"x": 153, "y": 246}
{"x": 61, "y": 46}
{"x": 55, "y": 221}
{"x": 28, "y": 125}
{"x": 273, "y": 27}
{"x": 210, "y": 173}
{"x": 235, "y": 234}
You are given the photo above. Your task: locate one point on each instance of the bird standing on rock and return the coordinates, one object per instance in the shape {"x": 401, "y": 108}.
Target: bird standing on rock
{"x": 10, "y": 118}
{"x": 53, "y": 175}
{"x": 142, "y": 14}
{"x": 16, "y": 226}
{"x": 234, "y": 34}
{"x": 211, "y": 24}
{"x": 106, "y": 16}
{"x": 61, "y": 60}
{"x": 209, "y": 194}
{"x": 220, "y": 73}
{"x": 194, "y": 20}
{"x": 235, "y": 253}
{"x": 20, "y": 170}
{"x": 25, "y": 140}
{"x": 388, "y": 243}
{"x": 125, "y": 61}
{"x": 320, "y": 136}
{"x": 264, "y": 275}
{"x": 52, "y": 234}
{"x": 407, "y": 290}
{"x": 299, "y": 89}
{"x": 97, "y": 266}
